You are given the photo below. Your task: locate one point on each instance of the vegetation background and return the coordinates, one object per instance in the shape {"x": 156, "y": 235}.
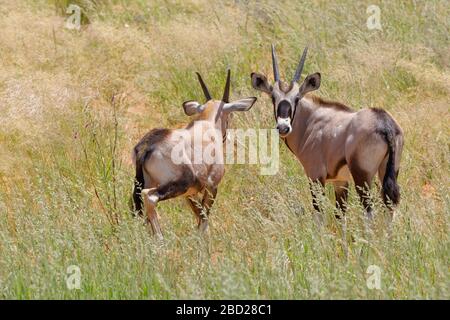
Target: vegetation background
{"x": 66, "y": 174}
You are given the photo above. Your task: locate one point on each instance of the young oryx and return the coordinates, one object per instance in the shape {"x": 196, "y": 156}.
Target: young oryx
{"x": 187, "y": 161}
{"x": 333, "y": 142}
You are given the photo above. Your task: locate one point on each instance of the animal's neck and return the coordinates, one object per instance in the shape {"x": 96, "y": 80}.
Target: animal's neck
{"x": 209, "y": 116}
{"x": 205, "y": 125}
{"x": 314, "y": 117}
{"x": 296, "y": 139}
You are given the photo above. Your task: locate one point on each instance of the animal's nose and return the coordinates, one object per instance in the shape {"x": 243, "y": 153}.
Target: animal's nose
{"x": 282, "y": 129}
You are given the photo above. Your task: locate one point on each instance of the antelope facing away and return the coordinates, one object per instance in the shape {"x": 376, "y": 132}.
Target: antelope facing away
{"x": 187, "y": 161}
{"x": 333, "y": 142}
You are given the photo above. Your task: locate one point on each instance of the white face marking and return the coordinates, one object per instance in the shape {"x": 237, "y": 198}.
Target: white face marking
{"x": 284, "y": 121}
{"x": 279, "y": 95}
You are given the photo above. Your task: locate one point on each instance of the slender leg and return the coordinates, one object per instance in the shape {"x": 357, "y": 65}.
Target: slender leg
{"x": 314, "y": 186}
{"x": 150, "y": 201}
{"x": 208, "y": 200}
{"x": 341, "y": 194}
{"x": 363, "y": 189}
{"x": 196, "y": 208}
{"x": 317, "y": 186}
{"x": 152, "y": 196}
{"x": 363, "y": 182}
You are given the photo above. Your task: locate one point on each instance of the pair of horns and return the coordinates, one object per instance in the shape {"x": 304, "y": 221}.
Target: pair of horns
{"x": 226, "y": 93}
{"x": 298, "y": 71}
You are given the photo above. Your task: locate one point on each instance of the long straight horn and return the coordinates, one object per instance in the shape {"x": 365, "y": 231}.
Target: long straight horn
{"x": 226, "y": 92}
{"x": 298, "y": 72}
{"x": 204, "y": 87}
{"x": 226, "y": 96}
{"x": 276, "y": 72}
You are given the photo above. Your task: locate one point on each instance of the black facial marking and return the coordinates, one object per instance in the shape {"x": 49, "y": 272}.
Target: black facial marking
{"x": 284, "y": 109}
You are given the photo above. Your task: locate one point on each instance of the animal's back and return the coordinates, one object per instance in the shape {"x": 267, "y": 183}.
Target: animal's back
{"x": 146, "y": 145}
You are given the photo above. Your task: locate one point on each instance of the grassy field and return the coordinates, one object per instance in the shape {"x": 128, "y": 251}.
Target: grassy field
{"x": 66, "y": 175}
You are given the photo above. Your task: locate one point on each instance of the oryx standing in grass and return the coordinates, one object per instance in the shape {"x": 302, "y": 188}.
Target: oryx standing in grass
{"x": 333, "y": 142}
{"x": 187, "y": 161}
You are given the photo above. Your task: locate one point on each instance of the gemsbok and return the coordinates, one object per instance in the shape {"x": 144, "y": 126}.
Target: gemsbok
{"x": 185, "y": 162}
{"x": 333, "y": 142}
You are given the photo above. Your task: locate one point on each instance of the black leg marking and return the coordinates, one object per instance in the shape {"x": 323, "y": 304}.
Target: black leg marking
{"x": 208, "y": 201}
{"x": 196, "y": 208}
{"x": 363, "y": 182}
{"x": 314, "y": 186}
{"x": 176, "y": 188}
{"x": 341, "y": 194}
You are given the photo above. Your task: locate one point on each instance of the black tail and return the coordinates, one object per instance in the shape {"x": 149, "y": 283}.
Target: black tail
{"x": 139, "y": 183}
{"x": 390, "y": 190}
{"x": 142, "y": 152}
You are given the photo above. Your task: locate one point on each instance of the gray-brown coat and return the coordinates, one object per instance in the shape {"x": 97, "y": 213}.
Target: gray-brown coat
{"x": 333, "y": 142}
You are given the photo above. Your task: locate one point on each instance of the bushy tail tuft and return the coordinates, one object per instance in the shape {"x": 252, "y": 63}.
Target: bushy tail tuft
{"x": 139, "y": 183}
{"x": 390, "y": 190}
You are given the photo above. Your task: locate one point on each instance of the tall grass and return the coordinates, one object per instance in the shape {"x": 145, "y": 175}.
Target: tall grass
{"x": 66, "y": 176}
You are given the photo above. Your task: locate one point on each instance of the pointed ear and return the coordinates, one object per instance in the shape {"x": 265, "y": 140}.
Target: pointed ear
{"x": 239, "y": 105}
{"x": 192, "y": 107}
{"x": 311, "y": 83}
{"x": 259, "y": 82}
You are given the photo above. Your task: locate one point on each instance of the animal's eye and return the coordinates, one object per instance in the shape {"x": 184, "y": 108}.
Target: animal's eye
{"x": 297, "y": 99}
{"x": 273, "y": 99}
